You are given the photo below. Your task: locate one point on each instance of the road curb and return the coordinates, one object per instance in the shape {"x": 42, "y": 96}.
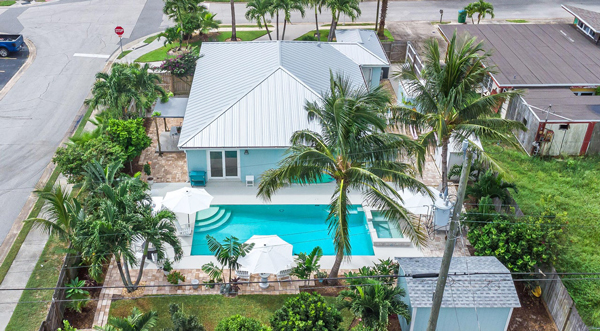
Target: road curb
{"x": 21, "y": 71}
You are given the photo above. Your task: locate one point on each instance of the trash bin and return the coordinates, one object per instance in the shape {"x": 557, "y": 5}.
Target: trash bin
{"x": 462, "y": 16}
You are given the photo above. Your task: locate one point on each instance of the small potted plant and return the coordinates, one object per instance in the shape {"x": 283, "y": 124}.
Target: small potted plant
{"x": 175, "y": 278}
{"x": 148, "y": 172}
{"x": 167, "y": 267}
{"x": 321, "y": 275}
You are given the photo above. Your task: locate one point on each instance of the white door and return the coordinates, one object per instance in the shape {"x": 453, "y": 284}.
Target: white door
{"x": 223, "y": 164}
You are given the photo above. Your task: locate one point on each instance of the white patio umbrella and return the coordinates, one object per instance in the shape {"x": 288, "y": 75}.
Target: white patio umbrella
{"x": 187, "y": 200}
{"x": 419, "y": 203}
{"x": 270, "y": 255}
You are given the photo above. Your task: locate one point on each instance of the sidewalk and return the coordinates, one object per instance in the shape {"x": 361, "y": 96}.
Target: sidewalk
{"x": 141, "y": 49}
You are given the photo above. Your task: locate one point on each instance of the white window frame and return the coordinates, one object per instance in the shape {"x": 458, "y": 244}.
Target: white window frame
{"x": 222, "y": 151}
{"x": 586, "y": 29}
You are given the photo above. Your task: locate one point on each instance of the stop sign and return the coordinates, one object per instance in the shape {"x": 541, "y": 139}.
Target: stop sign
{"x": 119, "y": 30}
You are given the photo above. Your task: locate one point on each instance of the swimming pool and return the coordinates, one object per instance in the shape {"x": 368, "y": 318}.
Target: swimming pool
{"x": 303, "y": 226}
{"x": 383, "y": 227}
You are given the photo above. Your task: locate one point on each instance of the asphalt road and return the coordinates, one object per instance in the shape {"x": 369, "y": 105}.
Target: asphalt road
{"x": 38, "y": 111}
{"x": 10, "y": 65}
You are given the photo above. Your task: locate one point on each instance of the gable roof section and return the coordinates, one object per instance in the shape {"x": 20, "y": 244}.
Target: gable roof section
{"x": 235, "y": 77}
{"x": 367, "y": 38}
{"x": 480, "y": 291}
{"x": 360, "y": 55}
{"x": 590, "y": 18}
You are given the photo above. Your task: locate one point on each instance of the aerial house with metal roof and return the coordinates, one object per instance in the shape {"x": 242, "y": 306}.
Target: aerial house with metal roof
{"x": 248, "y": 98}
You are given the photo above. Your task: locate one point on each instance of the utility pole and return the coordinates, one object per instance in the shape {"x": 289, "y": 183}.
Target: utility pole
{"x": 443, "y": 275}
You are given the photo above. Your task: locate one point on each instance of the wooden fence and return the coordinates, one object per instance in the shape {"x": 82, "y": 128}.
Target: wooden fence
{"x": 177, "y": 85}
{"x": 395, "y": 50}
{"x": 560, "y": 304}
{"x": 56, "y": 311}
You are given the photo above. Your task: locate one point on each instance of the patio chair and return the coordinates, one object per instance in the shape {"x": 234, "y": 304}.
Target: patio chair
{"x": 198, "y": 178}
{"x": 249, "y": 180}
{"x": 284, "y": 275}
{"x": 243, "y": 275}
{"x": 183, "y": 230}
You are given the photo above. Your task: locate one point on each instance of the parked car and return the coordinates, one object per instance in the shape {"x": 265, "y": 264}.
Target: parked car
{"x": 10, "y": 43}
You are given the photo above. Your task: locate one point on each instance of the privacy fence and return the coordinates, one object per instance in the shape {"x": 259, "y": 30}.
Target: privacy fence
{"x": 560, "y": 304}
{"x": 56, "y": 311}
{"x": 177, "y": 85}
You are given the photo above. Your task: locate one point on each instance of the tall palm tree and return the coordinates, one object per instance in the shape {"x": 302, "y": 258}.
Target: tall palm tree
{"x": 62, "y": 212}
{"x": 257, "y": 10}
{"x": 356, "y": 150}
{"x": 233, "y": 34}
{"x": 287, "y": 6}
{"x": 228, "y": 252}
{"x": 177, "y": 9}
{"x": 115, "y": 90}
{"x": 317, "y": 5}
{"x": 481, "y": 8}
{"x": 382, "y": 17}
{"x": 449, "y": 103}
{"x": 147, "y": 85}
{"x": 373, "y": 303}
{"x": 136, "y": 321}
{"x": 349, "y": 8}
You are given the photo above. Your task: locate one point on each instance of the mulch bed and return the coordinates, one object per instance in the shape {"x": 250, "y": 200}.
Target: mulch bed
{"x": 533, "y": 315}
{"x": 85, "y": 319}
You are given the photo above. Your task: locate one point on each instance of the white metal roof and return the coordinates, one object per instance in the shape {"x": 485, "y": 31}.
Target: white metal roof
{"x": 252, "y": 94}
{"x": 367, "y": 38}
{"x": 359, "y": 55}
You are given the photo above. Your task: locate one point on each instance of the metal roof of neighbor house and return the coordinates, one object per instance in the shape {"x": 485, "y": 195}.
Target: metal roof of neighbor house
{"x": 368, "y": 38}
{"x": 531, "y": 55}
{"x": 590, "y": 18}
{"x": 240, "y": 81}
{"x": 481, "y": 291}
{"x": 566, "y": 106}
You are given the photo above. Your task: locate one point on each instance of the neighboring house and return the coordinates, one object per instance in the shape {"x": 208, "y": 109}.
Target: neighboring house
{"x": 248, "y": 98}
{"x": 563, "y": 59}
{"x": 470, "y": 302}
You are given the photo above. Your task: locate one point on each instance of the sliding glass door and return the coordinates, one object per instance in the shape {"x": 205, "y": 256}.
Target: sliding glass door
{"x": 223, "y": 164}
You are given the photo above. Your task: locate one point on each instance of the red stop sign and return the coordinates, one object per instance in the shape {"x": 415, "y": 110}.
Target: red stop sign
{"x": 119, "y": 30}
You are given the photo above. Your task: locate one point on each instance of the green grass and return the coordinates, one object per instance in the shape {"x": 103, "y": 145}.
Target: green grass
{"x": 574, "y": 182}
{"x": 353, "y": 24}
{"x": 7, "y": 3}
{"x": 160, "y": 54}
{"x": 518, "y": 21}
{"x": 122, "y": 55}
{"x": 324, "y": 33}
{"x": 151, "y": 38}
{"x": 242, "y": 26}
{"x": 210, "y": 309}
{"x": 438, "y": 22}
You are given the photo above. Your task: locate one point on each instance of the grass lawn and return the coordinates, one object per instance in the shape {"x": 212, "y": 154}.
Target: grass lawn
{"x": 210, "y": 309}
{"x": 160, "y": 54}
{"x": 122, "y": 55}
{"x": 325, "y": 32}
{"x": 29, "y": 316}
{"x": 242, "y": 25}
{"x": 518, "y": 21}
{"x": 7, "y": 3}
{"x": 574, "y": 182}
{"x": 353, "y": 24}
{"x": 151, "y": 38}
{"x": 438, "y": 22}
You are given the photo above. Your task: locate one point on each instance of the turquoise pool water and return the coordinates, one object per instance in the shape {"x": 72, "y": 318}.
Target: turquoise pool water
{"x": 383, "y": 227}
{"x": 303, "y": 226}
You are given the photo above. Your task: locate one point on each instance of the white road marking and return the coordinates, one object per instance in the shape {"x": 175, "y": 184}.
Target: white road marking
{"x": 100, "y": 56}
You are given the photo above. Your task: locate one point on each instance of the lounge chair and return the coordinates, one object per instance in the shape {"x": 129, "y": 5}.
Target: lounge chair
{"x": 184, "y": 230}
{"x": 284, "y": 275}
{"x": 243, "y": 275}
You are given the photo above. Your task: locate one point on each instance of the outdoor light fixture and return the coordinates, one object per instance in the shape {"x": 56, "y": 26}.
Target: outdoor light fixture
{"x": 246, "y": 152}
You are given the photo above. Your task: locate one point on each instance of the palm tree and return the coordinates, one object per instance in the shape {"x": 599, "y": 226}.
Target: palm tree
{"x": 177, "y": 9}
{"x": 349, "y": 8}
{"x": 62, "y": 212}
{"x": 147, "y": 85}
{"x": 288, "y": 6}
{"x": 481, "y": 8}
{"x": 136, "y": 321}
{"x": 381, "y": 27}
{"x": 233, "y": 34}
{"x": 449, "y": 103}
{"x": 373, "y": 303}
{"x": 228, "y": 252}
{"x": 317, "y": 5}
{"x": 256, "y": 10}
{"x": 115, "y": 90}
{"x": 358, "y": 153}
{"x": 208, "y": 22}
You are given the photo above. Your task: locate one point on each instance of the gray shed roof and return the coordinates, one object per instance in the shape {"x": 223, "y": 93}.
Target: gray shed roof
{"x": 530, "y": 55}
{"x": 590, "y": 18}
{"x": 367, "y": 38}
{"x": 481, "y": 291}
{"x": 566, "y": 106}
{"x": 174, "y": 108}
{"x": 235, "y": 82}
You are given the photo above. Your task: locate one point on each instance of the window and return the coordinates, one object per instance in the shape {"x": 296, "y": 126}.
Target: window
{"x": 223, "y": 164}
{"x": 524, "y": 121}
{"x": 586, "y": 29}
{"x": 563, "y": 127}
{"x": 583, "y": 93}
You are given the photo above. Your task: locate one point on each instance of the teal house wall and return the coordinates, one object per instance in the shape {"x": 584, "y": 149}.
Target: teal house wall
{"x": 375, "y": 77}
{"x": 463, "y": 319}
{"x": 404, "y": 324}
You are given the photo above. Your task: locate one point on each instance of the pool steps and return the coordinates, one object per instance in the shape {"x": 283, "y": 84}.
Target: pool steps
{"x": 212, "y": 220}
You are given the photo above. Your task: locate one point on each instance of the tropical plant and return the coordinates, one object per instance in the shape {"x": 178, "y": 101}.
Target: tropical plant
{"x": 76, "y": 294}
{"x": 307, "y": 264}
{"x": 355, "y": 149}
{"x": 167, "y": 265}
{"x": 287, "y": 6}
{"x": 373, "y": 303}
{"x": 146, "y": 83}
{"x": 136, "y": 321}
{"x": 382, "y": 18}
{"x": 175, "y": 277}
{"x": 381, "y": 268}
{"x": 130, "y": 135}
{"x": 96, "y": 175}
{"x": 182, "y": 321}
{"x": 449, "y": 101}
{"x": 171, "y": 35}
{"x": 114, "y": 90}
{"x": 147, "y": 168}
{"x": 228, "y": 252}
{"x": 66, "y": 327}
{"x": 306, "y": 312}
{"x": 317, "y": 5}
{"x": 183, "y": 65}
{"x": 257, "y": 10}
{"x": 207, "y": 22}
{"x": 62, "y": 212}
{"x": 481, "y": 8}
{"x": 240, "y": 323}
{"x": 483, "y": 214}
{"x": 214, "y": 272}
{"x": 349, "y": 8}
{"x": 477, "y": 167}
{"x": 491, "y": 185}
{"x": 178, "y": 10}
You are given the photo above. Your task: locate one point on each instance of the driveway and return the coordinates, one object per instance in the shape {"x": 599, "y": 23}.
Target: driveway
{"x": 10, "y": 65}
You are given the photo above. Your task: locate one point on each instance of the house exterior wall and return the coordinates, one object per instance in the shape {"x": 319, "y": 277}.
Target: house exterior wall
{"x": 375, "y": 77}
{"x": 519, "y": 111}
{"x": 463, "y": 319}
{"x": 594, "y": 147}
{"x": 565, "y": 141}
{"x": 405, "y": 325}
{"x": 255, "y": 163}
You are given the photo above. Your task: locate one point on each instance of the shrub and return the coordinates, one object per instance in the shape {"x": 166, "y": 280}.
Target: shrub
{"x": 76, "y": 293}
{"x": 174, "y": 277}
{"x": 308, "y": 38}
{"x": 307, "y": 264}
{"x": 384, "y": 267}
{"x": 240, "y": 323}
{"x": 130, "y": 135}
{"x": 67, "y": 327}
{"x": 147, "y": 169}
{"x": 306, "y": 312}
{"x": 71, "y": 158}
{"x": 491, "y": 185}
{"x": 182, "y": 321}
{"x": 182, "y": 65}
